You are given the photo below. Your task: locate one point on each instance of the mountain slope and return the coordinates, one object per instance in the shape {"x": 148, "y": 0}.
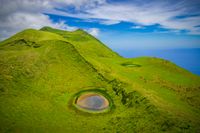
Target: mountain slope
{"x": 86, "y": 44}
{"x": 42, "y": 70}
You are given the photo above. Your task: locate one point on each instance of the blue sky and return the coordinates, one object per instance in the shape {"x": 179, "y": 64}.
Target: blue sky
{"x": 120, "y": 24}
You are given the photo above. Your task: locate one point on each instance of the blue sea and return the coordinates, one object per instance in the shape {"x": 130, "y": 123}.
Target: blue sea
{"x": 185, "y": 58}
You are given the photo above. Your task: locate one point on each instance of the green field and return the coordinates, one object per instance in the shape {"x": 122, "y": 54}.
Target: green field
{"x": 42, "y": 70}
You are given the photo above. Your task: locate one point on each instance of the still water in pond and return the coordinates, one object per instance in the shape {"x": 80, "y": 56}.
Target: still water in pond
{"x": 93, "y": 102}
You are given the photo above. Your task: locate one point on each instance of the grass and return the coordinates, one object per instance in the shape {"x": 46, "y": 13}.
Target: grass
{"x": 42, "y": 70}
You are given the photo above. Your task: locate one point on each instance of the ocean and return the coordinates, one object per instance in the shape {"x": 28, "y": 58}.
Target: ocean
{"x": 185, "y": 58}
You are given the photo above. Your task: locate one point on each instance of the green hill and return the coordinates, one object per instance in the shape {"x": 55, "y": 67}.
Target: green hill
{"x": 42, "y": 71}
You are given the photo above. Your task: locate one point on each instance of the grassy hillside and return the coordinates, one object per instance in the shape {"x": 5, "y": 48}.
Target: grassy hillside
{"x": 87, "y": 45}
{"x": 42, "y": 70}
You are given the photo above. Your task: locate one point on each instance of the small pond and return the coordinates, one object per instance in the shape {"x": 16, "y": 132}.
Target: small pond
{"x": 92, "y": 102}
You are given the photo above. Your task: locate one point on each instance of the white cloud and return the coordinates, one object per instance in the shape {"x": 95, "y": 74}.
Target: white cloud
{"x": 110, "y": 22}
{"x": 17, "y": 15}
{"x": 143, "y": 13}
{"x": 94, "y": 31}
{"x": 137, "y": 27}
{"x": 18, "y": 21}
{"x": 21, "y": 14}
{"x": 78, "y": 4}
{"x": 62, "y": 25}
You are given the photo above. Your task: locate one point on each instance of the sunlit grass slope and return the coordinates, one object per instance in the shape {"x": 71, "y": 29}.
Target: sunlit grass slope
{"x": 86, "y": 44}
{"x": 42, "y": 70}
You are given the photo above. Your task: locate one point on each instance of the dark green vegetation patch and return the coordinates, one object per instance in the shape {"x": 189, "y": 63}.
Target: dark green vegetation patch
{"x": 129, "y": 64}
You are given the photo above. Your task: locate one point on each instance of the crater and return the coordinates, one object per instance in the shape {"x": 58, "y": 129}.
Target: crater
{"x": 92, "y": 102}
{"x": 130, "y": 65}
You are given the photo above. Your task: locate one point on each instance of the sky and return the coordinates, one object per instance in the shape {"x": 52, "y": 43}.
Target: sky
{"x": 120, "y": 24}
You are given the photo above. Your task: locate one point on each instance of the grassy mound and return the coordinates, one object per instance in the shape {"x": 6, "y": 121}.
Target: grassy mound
{"x": 41, "y": 72}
